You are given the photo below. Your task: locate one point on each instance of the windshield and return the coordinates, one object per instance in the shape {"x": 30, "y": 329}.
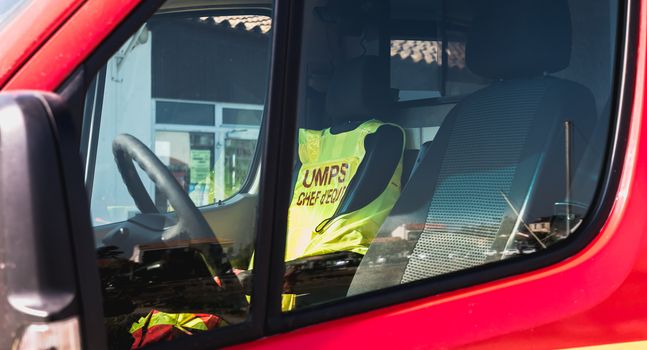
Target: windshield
{"x": 9, "y": 9}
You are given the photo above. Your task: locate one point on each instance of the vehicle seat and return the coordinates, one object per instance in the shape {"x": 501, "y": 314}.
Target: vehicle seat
{"x": 505, "y": 140}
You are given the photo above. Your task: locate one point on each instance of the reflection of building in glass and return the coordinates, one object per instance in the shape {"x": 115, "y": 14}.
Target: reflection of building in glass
{"x": 409, "y": 232}
{"x": 217, "y": 149}
{"x": 219, "y": 106}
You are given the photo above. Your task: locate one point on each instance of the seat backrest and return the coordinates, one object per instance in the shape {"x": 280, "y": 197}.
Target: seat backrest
{"x": 356, "y": 96}
{"x": 497, "y": 149}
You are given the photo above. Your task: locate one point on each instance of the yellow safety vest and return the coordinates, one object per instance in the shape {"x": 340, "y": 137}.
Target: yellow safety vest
{"x": 329, "y": 163}
{"x": 159, "y": 326}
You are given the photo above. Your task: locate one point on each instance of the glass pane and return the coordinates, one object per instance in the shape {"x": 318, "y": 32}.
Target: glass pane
{"x": 416, "y": 69}
{"x": 418, "y": 72}
{"x": 241, "y": 116}
{"x": 186, "y": 113}
{"x": 387, "y": 193}
{"x": 167, "y": 155}
{"x": 239, "y": 155}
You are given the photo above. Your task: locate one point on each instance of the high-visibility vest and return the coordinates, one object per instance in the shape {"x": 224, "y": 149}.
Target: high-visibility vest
{"x": 159, "y": 326}
{"x": 329, "y": 164}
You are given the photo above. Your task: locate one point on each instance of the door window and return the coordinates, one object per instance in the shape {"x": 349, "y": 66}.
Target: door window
{"x": 172, "y": 125}
{"x": 388, "y": 193}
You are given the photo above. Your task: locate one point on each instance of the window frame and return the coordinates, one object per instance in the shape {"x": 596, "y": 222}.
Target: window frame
{"x": 622, "y": 96}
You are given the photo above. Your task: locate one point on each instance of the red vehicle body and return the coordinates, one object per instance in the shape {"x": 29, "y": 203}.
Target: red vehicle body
{"x": 592, "y": 298}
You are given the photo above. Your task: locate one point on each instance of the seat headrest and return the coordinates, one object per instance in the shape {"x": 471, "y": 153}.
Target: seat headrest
{"x": 359, "y": 89}
{"x": 519, "y": 38}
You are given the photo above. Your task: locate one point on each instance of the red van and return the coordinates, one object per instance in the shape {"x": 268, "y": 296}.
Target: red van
{"x": 198, "y": 174}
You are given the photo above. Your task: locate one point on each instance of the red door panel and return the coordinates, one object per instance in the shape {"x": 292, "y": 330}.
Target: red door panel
{"x": 70, "y": 45}
{"x": 592, "y": 298}
{"x": 27, "y": 31}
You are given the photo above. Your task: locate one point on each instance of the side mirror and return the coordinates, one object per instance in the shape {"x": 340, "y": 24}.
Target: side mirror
{"x": 47, "y": 243}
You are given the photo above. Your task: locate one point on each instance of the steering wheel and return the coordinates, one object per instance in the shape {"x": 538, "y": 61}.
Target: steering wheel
{"x": 191, "y": 225}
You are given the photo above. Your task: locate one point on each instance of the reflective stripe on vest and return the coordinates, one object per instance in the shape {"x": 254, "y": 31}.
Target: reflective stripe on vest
{"x": 161, "y": 326}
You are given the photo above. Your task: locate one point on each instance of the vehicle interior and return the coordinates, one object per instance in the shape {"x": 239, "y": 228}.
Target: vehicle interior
{"x": 492, "y": 118}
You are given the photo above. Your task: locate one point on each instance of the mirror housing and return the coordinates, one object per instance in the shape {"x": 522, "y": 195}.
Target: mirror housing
{"x": 45, "y": 228}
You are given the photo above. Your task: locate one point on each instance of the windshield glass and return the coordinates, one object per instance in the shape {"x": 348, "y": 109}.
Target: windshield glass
{"x": 9, "y": 9}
